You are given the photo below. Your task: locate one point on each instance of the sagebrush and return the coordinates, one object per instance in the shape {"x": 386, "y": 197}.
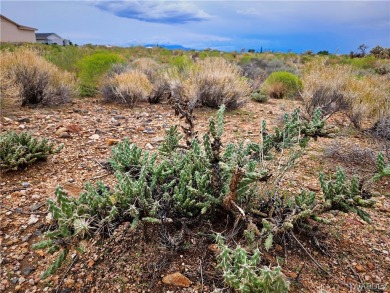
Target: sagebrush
{"x": 30, "y": 79}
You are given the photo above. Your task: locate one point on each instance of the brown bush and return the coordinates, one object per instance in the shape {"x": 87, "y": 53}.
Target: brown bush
{"x": 338, "y": 88}
{"x": 26, "y": 76}
{"x": 128, "y": 87}
{"x": 275, "y": 90}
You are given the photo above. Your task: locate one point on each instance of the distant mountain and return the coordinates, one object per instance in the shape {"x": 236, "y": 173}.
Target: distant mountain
{"x": 169, "y": 47}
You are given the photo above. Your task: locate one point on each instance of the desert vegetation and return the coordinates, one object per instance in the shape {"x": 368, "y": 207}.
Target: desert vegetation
{"x": 202, "y": 171}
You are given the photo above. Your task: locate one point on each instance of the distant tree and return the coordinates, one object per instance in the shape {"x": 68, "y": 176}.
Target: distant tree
{"x": 362, "y": 49}
{"x": 251, "y": 50}
{"x": 380, "y": 52}
{"x": 324, "y": 52}
{"x": 308, "y": 52}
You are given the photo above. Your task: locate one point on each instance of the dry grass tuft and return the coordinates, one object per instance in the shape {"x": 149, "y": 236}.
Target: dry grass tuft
{"x": 338, "y": 88}
{"x": 220, "y": 82}
{"x": 212, "y": 82}
{"x": 128, "y": 87}
{"x": 30, "y": 79}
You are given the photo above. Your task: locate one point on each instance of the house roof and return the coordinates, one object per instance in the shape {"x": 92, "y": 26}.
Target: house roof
{"x": 22, "y": 27}
{"x": 44, "y": 36}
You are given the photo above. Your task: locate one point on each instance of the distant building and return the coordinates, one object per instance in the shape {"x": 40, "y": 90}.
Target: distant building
{"x": 51, "y": 39}
{"x": 12, "y": 32}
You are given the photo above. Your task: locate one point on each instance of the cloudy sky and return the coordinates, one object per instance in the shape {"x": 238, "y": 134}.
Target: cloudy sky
{"x": 336, "y": 26}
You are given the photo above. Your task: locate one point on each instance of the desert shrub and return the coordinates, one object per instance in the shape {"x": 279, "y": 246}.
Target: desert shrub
{"x": 381, "y": 128}
{"x": 349, "y": 153}
{"x": 382, "y": 67}
{"x": 118, "y": 68}
{"x": 21, "y": 149}
{"x": 147, "y": 66}
{"x": 259, "y": 69}
{"x": 259, "y": 97}
{"x": 211, "y": 82}
{"x": 337, "y": 88}
{"x": 282, "y": 84}
{"x": 92, "y": 68}
{"x": 219, "y": 82}
{"x": 367, "y": 62}
{"x": 25, "y": 75}
{"x": 380, "y": 52}
{"x": 66, "y": 58}
{"x": 155, "y": 74}
{"x": 128, "y": 88}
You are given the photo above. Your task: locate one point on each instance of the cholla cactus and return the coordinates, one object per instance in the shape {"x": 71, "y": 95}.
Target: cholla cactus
{"x": 18, "y": 150}
{"x": 241, "y": 272}
{"x": 171, "y": 141}
{"x": 382, "y": 169}
{"x": 344, "y": 195}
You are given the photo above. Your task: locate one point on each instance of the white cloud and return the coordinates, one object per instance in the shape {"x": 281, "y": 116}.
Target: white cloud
{"x": 169, "y": 12}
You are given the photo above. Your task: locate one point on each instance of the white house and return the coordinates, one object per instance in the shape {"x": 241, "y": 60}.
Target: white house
{"x": 13, "y": 32}
{"x": 51, "y": 39}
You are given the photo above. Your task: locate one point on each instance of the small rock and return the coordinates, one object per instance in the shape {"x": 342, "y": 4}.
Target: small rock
{"x": 21, "y": 280}
{"x": 176, "y": 279}
{"x": 214, "y": 248}
{"x": 69, "y": 282}
{"x": 74, "y": 128}
{"x": 149, "y": 146}
{"x": 32, "y": 220}
{"x": 24, "y": 120}
{"x": 26, "y": 184}
{"x": 157, "y": 139}
{"x": 64, "y": 135}
{"x": 112, "y": 141}
{"x": 61, "y": 130}
{"x": 149, "y": 131}
{"x": 91, "y": 263}
{"x": 89, "y": 278}
{"x": 49, "y": 218}
{"x": 94, "y": 136}
{"x": 27, "y": 270}
{"x": 25, "y": 238}
{"x": 313, "y": 187}
{"x": 360, "y": 268}
{"x": 17, "y": 288}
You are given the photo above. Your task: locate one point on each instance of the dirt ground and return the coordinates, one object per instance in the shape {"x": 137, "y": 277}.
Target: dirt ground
{"x": 356, "y": 254}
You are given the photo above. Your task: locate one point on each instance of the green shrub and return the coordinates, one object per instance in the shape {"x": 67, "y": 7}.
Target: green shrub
{"x": 19, "y": 150}
{"x": 259, "y": 97}
{"x": 92, "y": 68}
{"x": 282, "y": 84}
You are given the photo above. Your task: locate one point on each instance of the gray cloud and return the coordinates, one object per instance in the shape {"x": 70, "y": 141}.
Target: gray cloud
{"x": 168, "y": 12}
